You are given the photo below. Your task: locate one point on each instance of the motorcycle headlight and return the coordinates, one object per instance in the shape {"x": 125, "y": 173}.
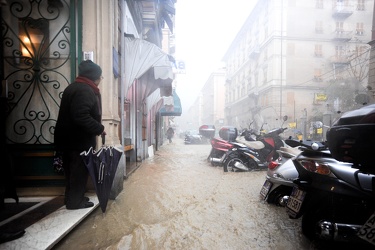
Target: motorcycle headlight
{"x": 315, "y": 167}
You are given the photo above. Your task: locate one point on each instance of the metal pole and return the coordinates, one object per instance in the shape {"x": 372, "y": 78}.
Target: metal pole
{"x": 281, "y": 59}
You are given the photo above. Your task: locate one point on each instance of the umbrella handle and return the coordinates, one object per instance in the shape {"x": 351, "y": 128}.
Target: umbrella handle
{"x": 103, "y": 138}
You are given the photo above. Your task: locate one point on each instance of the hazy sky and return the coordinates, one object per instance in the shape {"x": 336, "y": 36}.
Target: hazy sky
{"x": 204, "y": 30}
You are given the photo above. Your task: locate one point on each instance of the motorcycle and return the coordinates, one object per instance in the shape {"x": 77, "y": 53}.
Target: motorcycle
{"x": 253, "y": 155}
{"x": 336, "y": 199}
{"x": 220, "y": 146}
{"x": 280, "y": 175}
{"x": 333, "y": 198}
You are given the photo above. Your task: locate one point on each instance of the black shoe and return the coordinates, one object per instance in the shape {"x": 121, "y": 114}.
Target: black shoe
{"x": 85, "y": 199}
{"x": 4, "y": 237}
{"x": 87, "y": 204}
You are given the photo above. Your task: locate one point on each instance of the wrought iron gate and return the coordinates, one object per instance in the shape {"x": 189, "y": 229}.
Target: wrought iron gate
{"x": 39, "y": 53}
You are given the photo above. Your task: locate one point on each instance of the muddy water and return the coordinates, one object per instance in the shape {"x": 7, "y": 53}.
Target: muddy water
{"x": 177, "y": 200}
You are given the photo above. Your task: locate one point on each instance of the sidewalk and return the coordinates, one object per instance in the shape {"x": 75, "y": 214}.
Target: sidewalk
{"x": 45, "y": 233}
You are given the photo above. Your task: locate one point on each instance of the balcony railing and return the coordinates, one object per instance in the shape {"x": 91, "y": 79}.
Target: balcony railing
{"x": 254, "y": 52}
{"x": 342, "y": 11}
{"x": 342, "y": 36}
{"x": 339, "y": 59}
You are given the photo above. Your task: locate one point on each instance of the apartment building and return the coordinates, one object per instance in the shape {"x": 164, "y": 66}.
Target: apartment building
{"x": 213, "y": 93}
{"x": 208, "y": 107}
{"x": 307, "y": 59}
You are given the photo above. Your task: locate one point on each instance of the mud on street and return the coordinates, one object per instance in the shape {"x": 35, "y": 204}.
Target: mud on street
{"x": 177, "y": 200}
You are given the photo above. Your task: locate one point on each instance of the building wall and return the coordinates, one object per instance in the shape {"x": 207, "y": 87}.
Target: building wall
{"x": 100, "y": 35}
{"x": 212, "y": 98}
{"x": 287, "y": 52}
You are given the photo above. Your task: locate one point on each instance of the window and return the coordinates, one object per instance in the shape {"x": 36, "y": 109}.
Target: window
{"x": 318, "y": 75}
{"x": 265, "y": 53}
{"x": 340, "y": 54}
{"x": 319, "y": 27}
{"x": 339, "y": 27}
{"x": 265, "y": 72}
{"x": 359, "y": 29}
{"x": 339, "y": 50}
{"x": 361, "y": 5}
{"x": 243, "y": 89}
{"x": 360, "y": 50}
{"x": 318, "y": 50}
{"x": 340, "y": 3}
{"x": 319, "y": 4}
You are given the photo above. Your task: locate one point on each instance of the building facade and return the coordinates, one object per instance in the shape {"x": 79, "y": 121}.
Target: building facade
{"x": 212, "y": 95}
{"x": 298, "y": 58}
{"x": 42, "y": 44}
{"x": 208, "y": 107}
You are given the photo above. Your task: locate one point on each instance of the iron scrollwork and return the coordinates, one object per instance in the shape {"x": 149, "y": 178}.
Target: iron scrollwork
{"x": 36, "y": 41}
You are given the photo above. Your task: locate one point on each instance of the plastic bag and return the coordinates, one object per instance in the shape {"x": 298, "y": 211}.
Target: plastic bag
{"x": 58, "y": 163}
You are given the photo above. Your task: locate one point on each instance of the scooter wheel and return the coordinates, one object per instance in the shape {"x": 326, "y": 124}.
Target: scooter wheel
{"x": 230, "y": 161}
{"x": 310, "y": 221}
{"x": 276, "y": 197}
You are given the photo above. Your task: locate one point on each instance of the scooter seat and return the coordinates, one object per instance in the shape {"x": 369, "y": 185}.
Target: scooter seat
{"x": 251, "y": 144}
{"x": 291, "y": 151}
{"x": 345, "y": 172}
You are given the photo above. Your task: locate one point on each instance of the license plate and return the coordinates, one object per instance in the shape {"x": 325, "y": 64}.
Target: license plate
{"x": 367, "y": 232}
{"x": 295, "y": 201}
{"x": 265, "y": 189}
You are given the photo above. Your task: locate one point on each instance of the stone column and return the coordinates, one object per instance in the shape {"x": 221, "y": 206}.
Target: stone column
{"x": 100, "y": 35}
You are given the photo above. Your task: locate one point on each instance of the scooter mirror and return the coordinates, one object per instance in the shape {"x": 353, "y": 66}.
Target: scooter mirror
{"x": 285, "y": 117}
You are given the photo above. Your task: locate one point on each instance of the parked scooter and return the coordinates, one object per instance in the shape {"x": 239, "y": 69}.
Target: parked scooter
{"x": 254, "y": 155}
{"x": 333, "y": 198}
{"x": 336, "y": 199}
{"x": 280, "y": 175}
{"x": 220, "y": 146}
{"x": 227, "y": 140}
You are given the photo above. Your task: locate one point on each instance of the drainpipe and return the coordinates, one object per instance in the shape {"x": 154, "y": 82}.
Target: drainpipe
{"x": 371, "y": 78}
{"x": 122, "y": 84}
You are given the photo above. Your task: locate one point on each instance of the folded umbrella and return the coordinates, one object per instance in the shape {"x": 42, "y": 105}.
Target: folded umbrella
{"x": 102, "y": 166}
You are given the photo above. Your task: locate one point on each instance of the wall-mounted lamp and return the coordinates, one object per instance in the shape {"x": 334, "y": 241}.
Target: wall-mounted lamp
{"x": 29, "y": 43}
{"x": 25, "y": 46}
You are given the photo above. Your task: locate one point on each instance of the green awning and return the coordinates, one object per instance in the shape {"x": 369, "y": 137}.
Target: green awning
{"x": 174, "y": 109}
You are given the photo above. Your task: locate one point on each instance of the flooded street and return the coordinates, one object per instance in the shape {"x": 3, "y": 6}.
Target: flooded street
{"x": 177, "y": 200}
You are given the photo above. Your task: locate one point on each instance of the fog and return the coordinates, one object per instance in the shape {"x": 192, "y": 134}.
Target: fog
{"x": 204, "y": 31}
{"x": 322, "y": 72}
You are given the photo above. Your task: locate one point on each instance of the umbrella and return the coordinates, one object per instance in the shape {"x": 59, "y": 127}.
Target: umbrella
{"x": 102, "y": 166}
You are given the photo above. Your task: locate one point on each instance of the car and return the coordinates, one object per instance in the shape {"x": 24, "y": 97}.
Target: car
{"x": 193, "y": 137}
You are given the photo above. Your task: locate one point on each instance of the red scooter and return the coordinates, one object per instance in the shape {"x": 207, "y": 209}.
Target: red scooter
{"x": 227, "y": 141}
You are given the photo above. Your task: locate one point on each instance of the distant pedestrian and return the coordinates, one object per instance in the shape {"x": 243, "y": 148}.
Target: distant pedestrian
{"x": 170, "y": 133}
{"x": 78, "y": 124}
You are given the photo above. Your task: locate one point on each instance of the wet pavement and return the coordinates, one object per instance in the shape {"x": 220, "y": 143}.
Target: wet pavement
{"x": 177, "y": 200}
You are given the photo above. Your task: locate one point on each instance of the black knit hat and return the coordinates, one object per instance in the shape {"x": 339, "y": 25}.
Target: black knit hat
{"x": 89, "y": 70}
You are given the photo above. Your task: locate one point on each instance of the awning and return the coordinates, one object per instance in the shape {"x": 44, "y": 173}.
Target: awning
{"x": 171, "y": 107}
{"x": 154, "y": 100}
{"x": 141, "y": 57}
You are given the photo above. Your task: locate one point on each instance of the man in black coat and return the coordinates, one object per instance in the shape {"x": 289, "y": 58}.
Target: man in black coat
{"x": 78, "y": 124}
